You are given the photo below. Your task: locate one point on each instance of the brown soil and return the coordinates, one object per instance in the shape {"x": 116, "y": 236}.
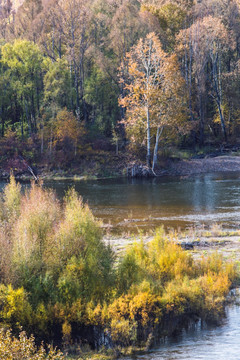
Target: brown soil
{"x": 118, "y": 167}
{"x": 198, "y": 166}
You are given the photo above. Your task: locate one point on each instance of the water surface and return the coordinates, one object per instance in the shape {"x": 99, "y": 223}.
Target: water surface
{"x": 139, "y": 204}
{"x": 142, "y": 204}
{"x": 211, "y": 343}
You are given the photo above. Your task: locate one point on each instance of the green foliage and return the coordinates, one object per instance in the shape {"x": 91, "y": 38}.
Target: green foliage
{"x": 57, "y": 85}
{"x": 171, "y": 18}
{"x": 102, "y": 95}
{"x": 88, "y": 273}
{"x": 79, "y": 229}
{"x": 23, "y": 60}
{"x": 12, "y": 199}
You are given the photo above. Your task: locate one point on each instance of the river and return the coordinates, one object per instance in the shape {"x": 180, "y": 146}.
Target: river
{"x": 209, "y": 343}
{"x": 137, "y": 204}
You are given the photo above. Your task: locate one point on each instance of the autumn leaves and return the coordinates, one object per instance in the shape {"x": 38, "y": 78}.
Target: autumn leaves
{"x": 154, "y": 98}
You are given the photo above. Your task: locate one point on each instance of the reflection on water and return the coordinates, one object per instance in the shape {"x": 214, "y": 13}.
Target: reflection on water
{"x": 216, "y": 343}
{"x": 174, "y": 202}
{"x": 130, "y": 204}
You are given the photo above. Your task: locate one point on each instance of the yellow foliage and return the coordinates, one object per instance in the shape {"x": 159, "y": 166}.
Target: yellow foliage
{"x": 66, "y": 332}
{"x": 12, "y": 348}
{"x": 14, "y": 306}
{"x": 123, "y": 331}
{"x": 12, "y": 199}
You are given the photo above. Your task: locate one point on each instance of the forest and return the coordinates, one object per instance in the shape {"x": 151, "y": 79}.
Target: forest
{"x": 93, "y": 87}
{"x": 82, "y": 79}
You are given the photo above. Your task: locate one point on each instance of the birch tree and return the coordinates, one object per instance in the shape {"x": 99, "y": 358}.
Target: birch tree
{"x": 210, "y": 41}
{"x": 154, "y": 97}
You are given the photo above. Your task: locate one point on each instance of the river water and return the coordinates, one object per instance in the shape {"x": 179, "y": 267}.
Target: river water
{"x": 209, "y": 343}
{"x": 136, "y": 204}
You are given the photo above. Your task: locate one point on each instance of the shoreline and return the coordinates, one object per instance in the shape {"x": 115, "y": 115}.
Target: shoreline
{"x": 223, "y": 163}
{"x": 186, "y": 168}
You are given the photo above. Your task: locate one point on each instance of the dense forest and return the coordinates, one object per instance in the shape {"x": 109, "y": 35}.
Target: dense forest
{"x": 83, "y": 77}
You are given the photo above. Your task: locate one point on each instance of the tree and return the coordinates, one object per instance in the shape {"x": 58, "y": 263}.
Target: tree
{"x": 76, "y": 20}
{"x": 57, "y": 84}
{"x": 5, "y": 13}
{"x": 66, "y": 134}
{"x": 208, "y": 41}
{"x": 154, "y": 90}
{"x": 169, "y": 18}
{"x": 23, "y": 60}
{"x": 25, "y": 23}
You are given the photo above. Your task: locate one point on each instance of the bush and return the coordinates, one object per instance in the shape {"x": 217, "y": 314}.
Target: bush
{"x": 87, "y": 261}
{"x": 24, "y": 348}
{"x": 12, "y": 199}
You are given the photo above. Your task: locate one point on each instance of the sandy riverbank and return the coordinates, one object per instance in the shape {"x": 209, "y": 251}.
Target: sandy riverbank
{"x": 200, "y": 166}
{"x": 172, "y": 167}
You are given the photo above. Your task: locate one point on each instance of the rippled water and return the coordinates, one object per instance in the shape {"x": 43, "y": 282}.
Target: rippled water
{"x": 175, "y": 202}
{"x": 130, "y": 204}
{"x": 212, "y": 343}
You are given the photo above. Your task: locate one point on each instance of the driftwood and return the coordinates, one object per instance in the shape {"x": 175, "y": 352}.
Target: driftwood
{"x": 29, "y": 168}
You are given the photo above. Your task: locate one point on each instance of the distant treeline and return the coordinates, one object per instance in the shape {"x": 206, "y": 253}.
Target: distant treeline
{"x": 67, "y": 69}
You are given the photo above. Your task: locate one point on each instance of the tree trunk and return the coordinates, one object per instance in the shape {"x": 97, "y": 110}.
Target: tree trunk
{"x": 217, "y": 86}
{"x": 222, "y": 121}
{"x": 148, "y": 139}
{"x": 158, "y": 135}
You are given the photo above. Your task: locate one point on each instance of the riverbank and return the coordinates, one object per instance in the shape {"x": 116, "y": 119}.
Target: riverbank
{"x": 205, "y": 165}
{"x": 118, "y": 166}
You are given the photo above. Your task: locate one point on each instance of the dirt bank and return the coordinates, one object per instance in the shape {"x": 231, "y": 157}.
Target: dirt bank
{"x": 200, "y": 166}
{"x": 119, "y": 168}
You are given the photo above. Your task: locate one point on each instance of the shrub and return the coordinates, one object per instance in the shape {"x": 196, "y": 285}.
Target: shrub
{"x": 67, "y": 282}
{"x": 24, "y": 348}
{"x": 12, "y": 199}
{"x": 123, "y": 332}
{"x": 15, "y": 309}
{"x": 32, "y": 233}
{"x": 88, "y": 271}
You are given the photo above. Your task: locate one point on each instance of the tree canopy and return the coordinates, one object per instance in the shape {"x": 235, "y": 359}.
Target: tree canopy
{"x": 88, "y": 57}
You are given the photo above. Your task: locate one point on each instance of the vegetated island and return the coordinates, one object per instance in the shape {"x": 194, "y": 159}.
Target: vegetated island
{"x": 62, "y": 283}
